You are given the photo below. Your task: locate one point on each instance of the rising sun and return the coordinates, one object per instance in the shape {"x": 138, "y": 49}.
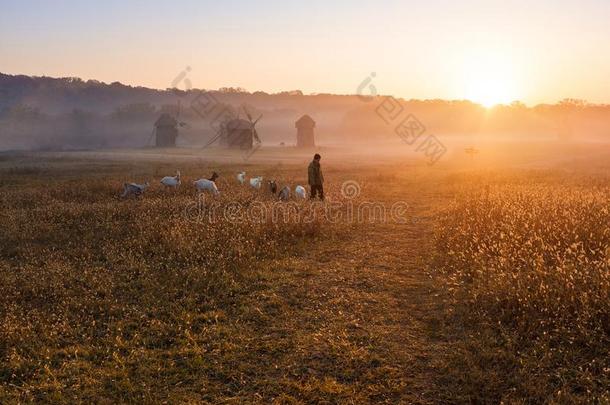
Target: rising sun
{"x": 490, "y": 90}
{"x": 488, "y": 81}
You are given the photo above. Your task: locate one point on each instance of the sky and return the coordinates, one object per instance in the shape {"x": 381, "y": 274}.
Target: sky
{"x": 535, "y": 51}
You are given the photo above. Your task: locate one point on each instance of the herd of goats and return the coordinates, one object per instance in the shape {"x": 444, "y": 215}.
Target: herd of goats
{"x": 209, "y": 185}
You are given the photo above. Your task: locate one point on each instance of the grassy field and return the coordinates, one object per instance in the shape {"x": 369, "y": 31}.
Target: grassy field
{"x": 526, "y": 259}
{"x": 489, "y": 285}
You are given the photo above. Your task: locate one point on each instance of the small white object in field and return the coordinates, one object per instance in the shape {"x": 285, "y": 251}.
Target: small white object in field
{"x": 256, "y": 182}
{"x": 208, "y": 184}
{"x": 171, "y": 181}
{"x": 241, "y": 177}
{"x": 284, "y": 193}
{"x": 133, "y": 189}
{"x": 300, "y": 192}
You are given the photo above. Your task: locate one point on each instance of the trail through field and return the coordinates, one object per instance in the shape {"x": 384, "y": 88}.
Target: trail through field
{"x": 360, "y": 320}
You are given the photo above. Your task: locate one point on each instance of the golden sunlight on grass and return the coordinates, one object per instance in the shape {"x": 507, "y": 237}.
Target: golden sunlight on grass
{"x": 497, "y": 291}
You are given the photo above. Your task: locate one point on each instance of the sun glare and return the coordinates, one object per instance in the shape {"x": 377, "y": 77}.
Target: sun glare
{"x": 489, "y": 93}
{"x": 488, "y": 81}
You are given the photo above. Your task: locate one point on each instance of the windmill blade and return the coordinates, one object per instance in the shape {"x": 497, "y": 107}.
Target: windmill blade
{"x": 214, "y": 139}
{"x": 259, "y": 117}
{"x": 152, "y": 135}
{"x": 255, "y": 136}
{"x": 247, "y": 113}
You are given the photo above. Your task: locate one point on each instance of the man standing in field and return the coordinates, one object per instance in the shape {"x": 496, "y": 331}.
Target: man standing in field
{"x": 316, "y": 179}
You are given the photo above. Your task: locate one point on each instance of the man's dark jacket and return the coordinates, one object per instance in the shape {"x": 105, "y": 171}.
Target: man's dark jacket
{"x": 315, "y": 174}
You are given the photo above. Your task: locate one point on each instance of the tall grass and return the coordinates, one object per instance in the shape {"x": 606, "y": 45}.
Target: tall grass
{"x": 91, "y": 284}
{"x": 530, "y": 259}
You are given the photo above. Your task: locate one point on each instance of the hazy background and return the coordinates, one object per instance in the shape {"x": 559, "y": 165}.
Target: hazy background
{"x": 547, "y": 50}
{"x": 285, "y": 59}
{"x": 66, "y": 114}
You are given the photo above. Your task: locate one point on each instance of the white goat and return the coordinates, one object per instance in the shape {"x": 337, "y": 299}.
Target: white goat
{"x": 171, "y": 181}
{"x": 300, "y": 192}
{"x": 207, "y": 184}
{"x": 284, "y": 194}
{"x": 241, "y": 177}
{"x": 256, "y": 182}
{"x": 133, "y": 189}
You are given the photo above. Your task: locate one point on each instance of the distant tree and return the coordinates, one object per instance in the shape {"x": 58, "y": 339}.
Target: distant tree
{"x": 23, "y": 112}
{"x": 518, "y": 105}
{"x": 73, "y": 80}
{"x": 573, "y": 103}
{"x": 134, "y": 112}
{"x": 232, "y": 90}
{"x": 290, "y": 93}
{"x": 82, "y": 121}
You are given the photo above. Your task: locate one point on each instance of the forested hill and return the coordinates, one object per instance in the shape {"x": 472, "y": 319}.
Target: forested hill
{"x": 44, "y": 112}
{"x": 59, "y": 95}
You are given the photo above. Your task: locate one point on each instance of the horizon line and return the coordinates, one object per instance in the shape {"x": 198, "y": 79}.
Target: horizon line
{"x": 240, "y": 90}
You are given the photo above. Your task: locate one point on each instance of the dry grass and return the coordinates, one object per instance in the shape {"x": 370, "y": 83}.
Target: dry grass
{"x": 93, "y": 287}
{"x": 113, "y": 301}
{"x": 528, "y": 257}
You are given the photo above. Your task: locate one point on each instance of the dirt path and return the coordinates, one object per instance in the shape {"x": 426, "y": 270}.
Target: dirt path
{"x": 361, "y": 319}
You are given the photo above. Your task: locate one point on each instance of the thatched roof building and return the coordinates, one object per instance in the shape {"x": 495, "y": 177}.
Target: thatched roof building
{"x": 239, "y": 133}
{"x": 166, "y": 131}
{"x": 305, "y": 134}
